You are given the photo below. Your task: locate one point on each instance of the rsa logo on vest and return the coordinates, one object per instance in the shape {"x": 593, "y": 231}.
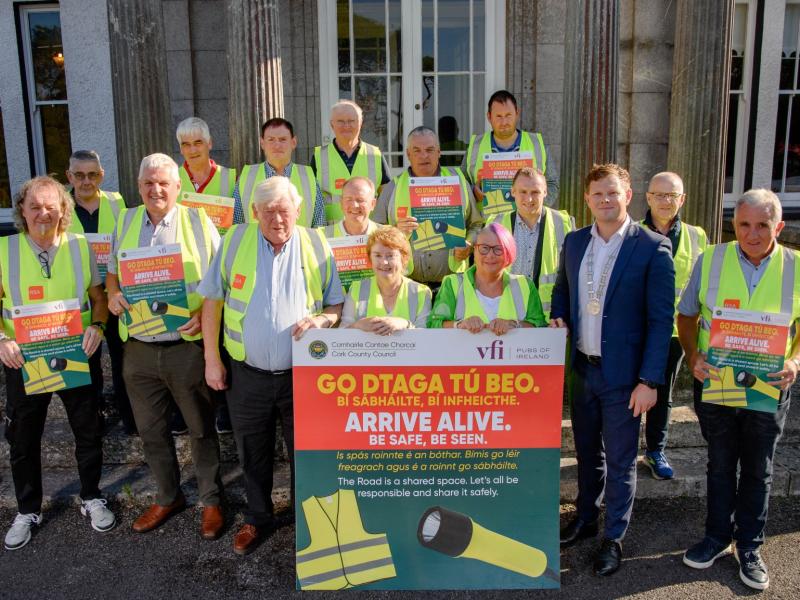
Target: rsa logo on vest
{"x": 35, "y": 292}
{"x": 493, "y": 351}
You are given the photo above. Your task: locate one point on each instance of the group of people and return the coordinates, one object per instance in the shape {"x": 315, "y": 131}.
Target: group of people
{"x": 615, "y": 285}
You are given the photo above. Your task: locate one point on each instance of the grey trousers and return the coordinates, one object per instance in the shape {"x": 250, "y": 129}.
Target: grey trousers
{"x": 153, "y": 373}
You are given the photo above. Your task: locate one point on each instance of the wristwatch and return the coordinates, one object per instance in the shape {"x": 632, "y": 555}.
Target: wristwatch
{"x": 651, "y": 384}
{"x": 100, "y": 325}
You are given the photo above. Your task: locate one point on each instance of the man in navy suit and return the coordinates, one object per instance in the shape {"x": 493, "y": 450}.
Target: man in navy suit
{"x": 615, "y": 292}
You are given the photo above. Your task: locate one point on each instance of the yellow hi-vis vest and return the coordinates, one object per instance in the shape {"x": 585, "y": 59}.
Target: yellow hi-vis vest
{"x": 301, "y": 176}
{"x": 341, "y": 553}
{"x": 480, "y": 145}
{"x": 691, "y": 244}
{"x": 369, "y": 303}
{"x": 194, "y": 236}
{"x": 722, "y": 284}
{"x": 556, "y": 225}
{"x": 239, "y": 264}
{"x": 24, "y": 283}
{"x": 221, "y": 184}
{"x": 513, "y": 301}
{"x": 111, "y": 204}
{"x": 332, "y": 173}
{"x": 400, "y": 198}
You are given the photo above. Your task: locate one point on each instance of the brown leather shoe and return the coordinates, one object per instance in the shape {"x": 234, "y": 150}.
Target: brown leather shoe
{"x": 211, "y": 522}
{"x": 246, "y": 540}
{"x": 157, "y": 514}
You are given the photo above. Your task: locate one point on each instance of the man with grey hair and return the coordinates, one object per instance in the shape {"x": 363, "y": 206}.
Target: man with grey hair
{"x": 757, "y": 274}
{"x": 199, "y": 173}
{"x": 290, "y": 270}
{"x": 346, "y": 155}
{"x": 169, "y": 364}
{"x": 393, "y": 208}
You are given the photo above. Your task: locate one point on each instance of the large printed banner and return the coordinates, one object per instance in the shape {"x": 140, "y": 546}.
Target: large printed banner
{"x": 350, "y": 255}
{"x": 218, "y": 208}
{"x": 436, "y": 204}
{"x": 50, "y": 335}
{"x": 744, "y": 347}
{"x": 428, "y": 459}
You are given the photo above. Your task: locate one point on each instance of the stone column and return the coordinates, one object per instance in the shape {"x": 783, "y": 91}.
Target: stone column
{"x": 139, "y": 80}
{"x": 591, "y": 80}
{"x": 699, "y": 108}
{"x": 255, "y": 85}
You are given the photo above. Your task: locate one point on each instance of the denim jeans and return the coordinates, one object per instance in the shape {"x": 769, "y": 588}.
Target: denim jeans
{"x": 744, "y": 439}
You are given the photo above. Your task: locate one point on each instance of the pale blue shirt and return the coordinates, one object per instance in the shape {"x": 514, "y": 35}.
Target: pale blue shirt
{"x": 277, "y": 304}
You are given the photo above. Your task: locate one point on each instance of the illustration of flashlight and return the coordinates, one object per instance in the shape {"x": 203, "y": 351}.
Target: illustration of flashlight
{"x": 167, "y": 309}
{"x": 457, "y": 535}
{"x": 443, "y": 227}
{"x": 749, "y": 380}
{"x": 58, "y": 363}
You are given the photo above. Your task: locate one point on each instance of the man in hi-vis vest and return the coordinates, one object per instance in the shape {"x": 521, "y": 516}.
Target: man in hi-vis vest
{"x": 278, "y": 143}
{"x": 199, "y": 173}
{"x": 503, "y": 115}
{"x": 169, "y": 364}
{"x": 346, "y": 155}
{"x": 756, "y": 274}
{"x": 276, "y": 280}
{"x": 538, "y": 231}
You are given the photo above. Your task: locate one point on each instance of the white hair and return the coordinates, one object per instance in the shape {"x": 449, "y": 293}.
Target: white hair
{"x": 159, "y": 161}
{"x": 350, "y": 105}
{"x": 276, "y": 188}
{"x": 761, "y": 198}
{"x": 193, "y": 127}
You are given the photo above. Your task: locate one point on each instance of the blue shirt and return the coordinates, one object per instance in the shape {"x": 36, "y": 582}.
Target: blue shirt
{"x": 277, "y": 304}
{"x": 317, "y": 220}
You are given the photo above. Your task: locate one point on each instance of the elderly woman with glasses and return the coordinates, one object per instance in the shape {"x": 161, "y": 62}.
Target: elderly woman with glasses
{"x": 487, "y": 296}
{"x": 387, "y": 301}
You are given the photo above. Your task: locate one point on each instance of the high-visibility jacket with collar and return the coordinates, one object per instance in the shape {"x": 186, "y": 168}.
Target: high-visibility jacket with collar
{"x": 342, "y": 554}
{"x": 332, "y": 173}
{"x": 722, "y": 284}
{"x": 221, "y": 184}
{"x": 401, "y": 198}
{"x": 111, "y": 204}
{"x": 24, "y": 283}
{"x": 480, "y": 144}
{"x": 368, "y": 302}
{"x": 555, "y": 226}
{"x": 692, "y": 243}
{"x": 239, "y": 265}
{"x": 301, "y": 176}
{"x": 513, "y": 301}
{"x": 194, "y": 236}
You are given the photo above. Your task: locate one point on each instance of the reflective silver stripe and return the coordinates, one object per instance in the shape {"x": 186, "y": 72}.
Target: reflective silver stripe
{"x": 678, "y": 292}
{"x": 14, "y": 269}
{"x": 114, "y": 204}
{"x": 234, "y": 335}
{"x": 365, "y": 286}
{"x": 308, "y": 196}
{"x": 249, "y": 183}
{"x": 224, "y": 181}
{"x": 325, "y": 172}
{"x": 538, "y": 152}
{"x": 460, "y": 308}
{"x": 199, "y": 233}
{"x": 235, "y": 304}
{"x": 549, "y": 278}
{"x": 473, "y": 159}
{"x": 390, "y": 210}
{"x": 546, "y": 307}
{"x": 191, "y": 288}
{"x": 413, "y": 301}
{"x": 342, "y": 548}
{"x": 704, "y": 324}
{"x": 126, "y": 224}
{"x": 74, "y": 245}
{"x": 787, "y": 288}
{"x": 7, "y": 314}
{"x": 319, "y": 252}
{"x": 330, "y": 231}
{"x": 234, "y": 241}
{"x": 694, "y": 242}
{"x": 371, "y": 170}
{"x": 714, "y": 275}
{"x": 519, "y": 300}
{"x": 373, "y": 564}
{"x": 560, "y": 227}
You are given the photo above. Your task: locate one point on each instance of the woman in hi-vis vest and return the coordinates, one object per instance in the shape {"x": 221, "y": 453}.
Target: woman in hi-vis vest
{"x": 487, "y": 296}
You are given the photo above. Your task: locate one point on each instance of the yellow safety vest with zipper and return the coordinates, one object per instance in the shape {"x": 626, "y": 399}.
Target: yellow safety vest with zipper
{"x": 482, "y": 144}
{"x": 332, "y": 173}
{"x": 221, "y": 184}
{"x": 239, "y": 265}
{"x": 301, "y": 176}
{"x": 111, "y": 204}
{"x": 368, "y": 301}
{"x": 342, "y": 554}
{"x": 194, "y": 236}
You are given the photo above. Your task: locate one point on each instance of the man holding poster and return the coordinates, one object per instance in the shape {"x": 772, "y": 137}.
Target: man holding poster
{"x": 434, "y": 206}
{"x": 733, "y": 323}
{"x": 160, "y": 252}
{"x": 54, "y": 312}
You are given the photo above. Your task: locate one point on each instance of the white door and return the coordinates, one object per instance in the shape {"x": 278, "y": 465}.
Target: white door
{"x": 412, "y": 62}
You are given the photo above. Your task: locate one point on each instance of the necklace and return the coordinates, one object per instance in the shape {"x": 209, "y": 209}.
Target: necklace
{"x": 593, "y": 306}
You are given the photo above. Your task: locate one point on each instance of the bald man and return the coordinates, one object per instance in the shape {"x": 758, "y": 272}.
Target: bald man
{"x": 665, "y": 197}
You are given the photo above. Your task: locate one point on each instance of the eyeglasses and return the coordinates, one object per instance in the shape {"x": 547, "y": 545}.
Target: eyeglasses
{"x": 80, "y": 176}
{"x": 671, "y": 196}
{"x": 346, "y": 122}
{"x": 484, "y": 249}
{"x": 44, "y": 260}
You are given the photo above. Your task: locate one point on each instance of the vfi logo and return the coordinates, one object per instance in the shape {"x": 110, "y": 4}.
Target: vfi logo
{"x": 493, "y": 351}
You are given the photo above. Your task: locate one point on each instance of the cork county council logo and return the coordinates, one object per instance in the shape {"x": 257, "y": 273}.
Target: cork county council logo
{"x": 318, "y": 349}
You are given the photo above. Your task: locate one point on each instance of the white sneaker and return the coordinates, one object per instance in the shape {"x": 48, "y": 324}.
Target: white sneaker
{"x": 102, "y": 519}
{"x": 20, "y": 532}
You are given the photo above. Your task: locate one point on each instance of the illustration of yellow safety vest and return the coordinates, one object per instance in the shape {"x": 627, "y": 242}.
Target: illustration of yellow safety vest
{"x": 239, "y": 265}
{"x": 194, "y": 236}
{"x": 332, "y": 173}
{"x": 555, "y": 226}
{"x": 221, "y": 184}
{"x": 482, "y": 144}
{"x": 111, "y": 204}
{"x": 369, "y": 302}
{"x": 341, "y": 553}
{"x": 39, "y": 378}
{"x": 301, "y": 176}
{"x": 513, "y": 302}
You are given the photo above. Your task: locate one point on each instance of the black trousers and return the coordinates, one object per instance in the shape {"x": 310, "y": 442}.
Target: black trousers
{"x": 256, "y": 400}
{"x": 121, "y": 400}
{"x": 657, "y": 420}
{"x": 25, "y": 419}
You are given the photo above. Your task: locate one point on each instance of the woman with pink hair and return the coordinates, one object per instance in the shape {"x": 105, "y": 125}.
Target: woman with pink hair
{"x": 487, "y": 296}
